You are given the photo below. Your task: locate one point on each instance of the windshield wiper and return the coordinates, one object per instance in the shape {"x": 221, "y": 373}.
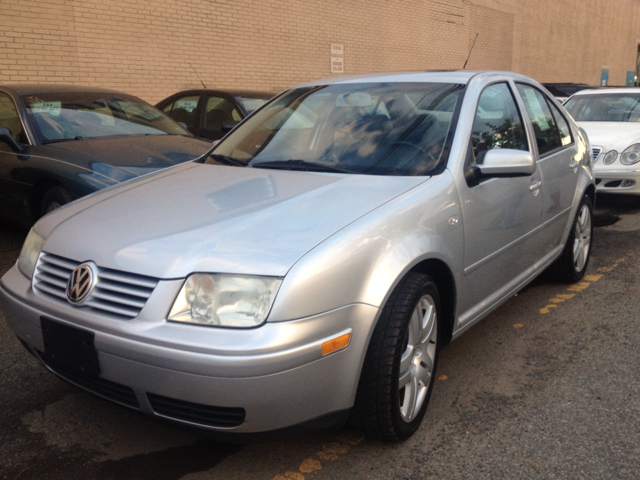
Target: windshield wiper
{"x": 59, "y": 140}
{"x": 226, "y": 160}
{"x": 302, "y": 165}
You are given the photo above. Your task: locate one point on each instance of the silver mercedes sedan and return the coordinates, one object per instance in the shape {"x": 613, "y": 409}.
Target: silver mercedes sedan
{"x": 309, "y": 268}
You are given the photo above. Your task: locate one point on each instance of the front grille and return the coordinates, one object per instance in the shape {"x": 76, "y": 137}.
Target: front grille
{"x": 105, "y": 388}
{"x": 224, "y": 417}
{"x": 596, "y": 153}
{"x": 116, "y": 294}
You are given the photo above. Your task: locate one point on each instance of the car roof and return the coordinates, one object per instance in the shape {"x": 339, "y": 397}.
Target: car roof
{"x": 601, "y": 91}
{"x": 439, "y": 76}
{"x": 42, "y": 88}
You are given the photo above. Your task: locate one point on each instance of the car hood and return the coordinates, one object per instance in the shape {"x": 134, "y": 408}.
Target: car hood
{"x": 205, "y": 218}
{"x": 608, "y": 135}
{"x": 123, "y": 158}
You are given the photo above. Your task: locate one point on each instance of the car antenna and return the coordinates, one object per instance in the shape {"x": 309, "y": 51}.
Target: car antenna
{"x": 194, "y": 71}
{"x": 470, "y": 50}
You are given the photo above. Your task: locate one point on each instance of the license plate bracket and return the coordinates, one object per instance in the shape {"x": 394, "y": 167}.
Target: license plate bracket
{"x": 70, "y": 347}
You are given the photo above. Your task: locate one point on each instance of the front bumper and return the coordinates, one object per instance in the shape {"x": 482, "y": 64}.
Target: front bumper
{"x": 274, "y": 374}
{"x": 618, "y": 180}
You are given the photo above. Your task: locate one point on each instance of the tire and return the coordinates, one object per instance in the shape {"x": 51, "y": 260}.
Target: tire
{"x": 400, "y": 364}
{"x": 54, "y": 198}
{"x": 574, "y": 260}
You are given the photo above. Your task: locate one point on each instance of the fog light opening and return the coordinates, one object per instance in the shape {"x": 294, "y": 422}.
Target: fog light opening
{"x": 627, "y": 183}
{"x": 336, "y": 344}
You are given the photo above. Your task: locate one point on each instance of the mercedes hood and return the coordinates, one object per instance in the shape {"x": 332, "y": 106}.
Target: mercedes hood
{"x": 618, "y": 135}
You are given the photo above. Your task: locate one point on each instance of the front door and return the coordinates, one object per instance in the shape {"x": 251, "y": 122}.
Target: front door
{"x": 500, "y": 214}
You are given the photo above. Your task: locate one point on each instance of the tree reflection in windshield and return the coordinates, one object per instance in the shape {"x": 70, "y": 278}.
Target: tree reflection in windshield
{"x": 382, "y": 129}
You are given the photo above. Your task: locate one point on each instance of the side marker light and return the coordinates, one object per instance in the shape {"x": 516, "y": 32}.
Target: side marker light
{"x": 335, "y": 344}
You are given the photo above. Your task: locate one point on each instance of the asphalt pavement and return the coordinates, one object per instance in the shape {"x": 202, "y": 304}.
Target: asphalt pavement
{"x": 546, "y": 387}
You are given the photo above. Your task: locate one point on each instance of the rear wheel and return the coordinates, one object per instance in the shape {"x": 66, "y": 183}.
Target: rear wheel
{"x": 54, "y": 198}
{"x": 399, "y": 370}
{"x": 572, "y": 264}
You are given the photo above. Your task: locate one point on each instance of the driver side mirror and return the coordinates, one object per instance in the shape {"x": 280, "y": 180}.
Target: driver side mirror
{"x": 501, "y": 162}
{"x": 6, "y": 137}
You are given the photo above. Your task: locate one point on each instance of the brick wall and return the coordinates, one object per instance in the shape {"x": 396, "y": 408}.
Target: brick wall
{"x": 152, "y": 48}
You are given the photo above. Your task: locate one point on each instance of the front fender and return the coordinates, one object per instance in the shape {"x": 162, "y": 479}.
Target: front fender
{"x": 364, "y": 261}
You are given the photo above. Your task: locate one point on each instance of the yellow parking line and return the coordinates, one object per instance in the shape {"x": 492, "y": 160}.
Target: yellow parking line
{"x": 580, "y": 286}
{"x": 330, "y": 452}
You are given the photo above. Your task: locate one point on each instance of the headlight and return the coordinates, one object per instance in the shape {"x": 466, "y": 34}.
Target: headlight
{"x": 225, "y": 300}
{"x": 29, "y": 253}
{"x": 610, "y": 157}
{"x": 631, "y": 155}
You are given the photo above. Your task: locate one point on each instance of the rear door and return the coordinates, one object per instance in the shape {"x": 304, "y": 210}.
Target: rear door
{"x": 557, "y": 160}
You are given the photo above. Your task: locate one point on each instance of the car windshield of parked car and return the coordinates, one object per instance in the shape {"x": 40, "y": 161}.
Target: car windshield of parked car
{"x": 605, "y": 107}
{"x": 251, "y": 104}
{"x": 73, "y": 116}
{"x": 377, "y": 129}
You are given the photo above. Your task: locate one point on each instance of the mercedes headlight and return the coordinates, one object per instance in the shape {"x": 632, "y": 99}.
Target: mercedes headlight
{"x": 610, "y": 157}
{"x": 29, "y": 253}
{"x": 631, "y": 155}
{"x": 239, "y": 301}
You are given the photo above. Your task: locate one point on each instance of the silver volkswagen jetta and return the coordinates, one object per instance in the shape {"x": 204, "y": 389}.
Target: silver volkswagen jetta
{"x": 312, "y": 266}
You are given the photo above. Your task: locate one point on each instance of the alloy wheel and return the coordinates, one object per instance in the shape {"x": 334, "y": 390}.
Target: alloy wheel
{"x": 418, "y": 359}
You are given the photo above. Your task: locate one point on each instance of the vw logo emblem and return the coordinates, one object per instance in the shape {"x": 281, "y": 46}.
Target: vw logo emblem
{"x": 80, "y": 283}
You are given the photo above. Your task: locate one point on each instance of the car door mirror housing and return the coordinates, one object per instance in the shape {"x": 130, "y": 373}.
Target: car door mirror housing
{"x": 5, "y": 137}
{"x": 500, "y": 162}
{"x": 505, "y": 162}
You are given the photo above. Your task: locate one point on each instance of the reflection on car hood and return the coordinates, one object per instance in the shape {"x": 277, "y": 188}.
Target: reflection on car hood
{"x": 132, "y": 156}
{"x": 203, "y": 218}
{"x": 618, "y": 135}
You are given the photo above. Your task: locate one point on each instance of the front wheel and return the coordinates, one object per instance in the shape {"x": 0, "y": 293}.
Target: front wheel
{"x": 54, "y": 198}
{"x": 399, "y": 369}
{"x": 572, "y": 264}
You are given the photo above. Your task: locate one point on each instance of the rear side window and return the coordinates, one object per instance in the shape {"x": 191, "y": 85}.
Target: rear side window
{"x": 497, "y": 123}
{"x": 548, "y": 136}
{"x": 183, "y": 110}
{"x": 563, "y": 126}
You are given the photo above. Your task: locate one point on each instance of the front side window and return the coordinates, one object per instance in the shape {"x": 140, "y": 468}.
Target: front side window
{"x": 497, "y": 123}
{"x": 367, "y": 128}
{"x": 547, "y": 133}
{"x": 9, "y": 118}
{"x": 605, "y": 107}
{"x": 251, "y": 104}
{"x": 74, "y": 116}
{"x": 219, "y": 111}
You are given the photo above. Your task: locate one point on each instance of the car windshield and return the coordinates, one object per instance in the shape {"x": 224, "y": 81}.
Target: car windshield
{"x": 605, "y": 107}
{"x": 368, "y": 128}
{"x": 74, "y": 116}
{"x": 251, "y": 104}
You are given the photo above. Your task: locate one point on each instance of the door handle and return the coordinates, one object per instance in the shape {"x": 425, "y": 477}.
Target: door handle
{"x": 574, "y": 163}
{"x": 535, "y": 186}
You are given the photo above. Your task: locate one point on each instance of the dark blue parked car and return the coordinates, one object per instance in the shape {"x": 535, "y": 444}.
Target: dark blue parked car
{"x": 58, "y": 143}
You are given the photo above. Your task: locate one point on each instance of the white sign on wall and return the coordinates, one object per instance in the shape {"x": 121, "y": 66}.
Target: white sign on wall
{"x": 337, "y": 58}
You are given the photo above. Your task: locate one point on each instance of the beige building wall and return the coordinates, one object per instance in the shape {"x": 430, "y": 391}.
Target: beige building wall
{"x": 152, "y": 48}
